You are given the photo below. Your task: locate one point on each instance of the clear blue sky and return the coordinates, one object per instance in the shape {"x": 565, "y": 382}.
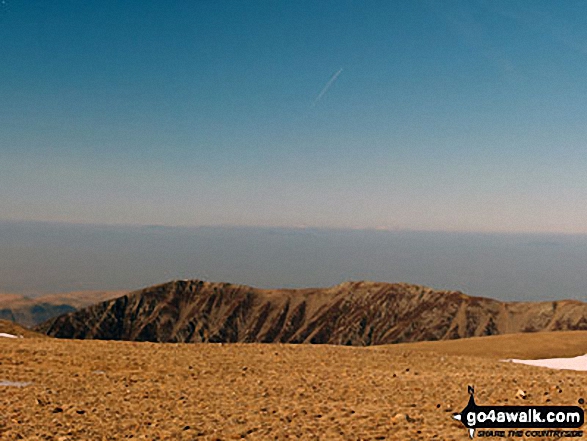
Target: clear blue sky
{"x": 459, "y": 116}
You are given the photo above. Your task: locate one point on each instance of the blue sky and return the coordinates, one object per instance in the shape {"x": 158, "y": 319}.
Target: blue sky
{"x": 455, "y": 116}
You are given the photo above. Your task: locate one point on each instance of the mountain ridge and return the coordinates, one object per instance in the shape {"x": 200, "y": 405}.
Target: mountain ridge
{"x": 357, "y": 313}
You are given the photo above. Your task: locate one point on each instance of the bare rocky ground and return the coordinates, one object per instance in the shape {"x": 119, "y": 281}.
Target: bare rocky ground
{"x": 104, "y": 390}
{"x": 359, "y": 313}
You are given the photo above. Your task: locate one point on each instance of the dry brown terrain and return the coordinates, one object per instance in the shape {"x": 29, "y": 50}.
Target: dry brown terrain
{"x": 100, "y": 390}
{"x": 352, "y": 313}
{"x": 15, "y": 329}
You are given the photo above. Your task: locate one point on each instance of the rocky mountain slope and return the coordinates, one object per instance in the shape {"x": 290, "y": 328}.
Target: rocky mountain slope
{"x": 30, "y": 311}
{"x": 352, "y": 313}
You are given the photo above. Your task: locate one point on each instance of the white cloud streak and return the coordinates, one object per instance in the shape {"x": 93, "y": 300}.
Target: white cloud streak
{"x": 327, "y": 86}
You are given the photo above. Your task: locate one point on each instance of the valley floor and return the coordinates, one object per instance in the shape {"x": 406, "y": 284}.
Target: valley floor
{"x": 97, "y": 390}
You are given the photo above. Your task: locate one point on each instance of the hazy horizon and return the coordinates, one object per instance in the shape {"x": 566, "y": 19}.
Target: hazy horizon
{"x": 40, "y": 257}
{"x": 444, "y": 116}
{"x": 294, "y": 144}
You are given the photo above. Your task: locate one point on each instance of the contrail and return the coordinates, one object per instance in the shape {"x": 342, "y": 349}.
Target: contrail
{"x": 330, "y": 82}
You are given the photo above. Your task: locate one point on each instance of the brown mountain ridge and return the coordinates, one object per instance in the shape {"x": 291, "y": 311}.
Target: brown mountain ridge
{"x": 352, "y": 313}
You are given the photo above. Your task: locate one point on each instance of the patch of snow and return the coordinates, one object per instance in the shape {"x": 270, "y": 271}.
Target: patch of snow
{"x": 14, "y": 383}
{"x": 3, "y": 334}
{"x": 574, "y": 364}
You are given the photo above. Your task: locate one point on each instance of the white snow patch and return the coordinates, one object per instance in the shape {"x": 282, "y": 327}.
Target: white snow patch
{"x": 3, "y": 334}
{"x": 14, "y": 383}
{"x": 574, "y": 364}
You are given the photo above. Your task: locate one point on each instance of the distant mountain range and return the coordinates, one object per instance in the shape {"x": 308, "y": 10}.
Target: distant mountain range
{"x": 30, "y": 311}
{"x": 352, "y": 313}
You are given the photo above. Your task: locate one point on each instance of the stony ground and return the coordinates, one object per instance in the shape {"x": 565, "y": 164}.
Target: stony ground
{"x": 96, "y": 390}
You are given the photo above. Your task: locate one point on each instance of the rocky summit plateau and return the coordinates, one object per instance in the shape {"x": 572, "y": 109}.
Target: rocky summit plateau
{"x": 353, "y": 313}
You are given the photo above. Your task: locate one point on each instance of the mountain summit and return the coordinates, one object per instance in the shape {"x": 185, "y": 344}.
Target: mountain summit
{"x": 352, "y": 313}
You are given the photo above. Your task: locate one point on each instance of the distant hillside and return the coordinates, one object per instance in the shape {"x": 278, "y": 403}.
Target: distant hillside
{"x": 352, "y": 313}
{"x": 7, "y": 327}
{"x": 528, "y": 345}
{"x": 29, "y": 311}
